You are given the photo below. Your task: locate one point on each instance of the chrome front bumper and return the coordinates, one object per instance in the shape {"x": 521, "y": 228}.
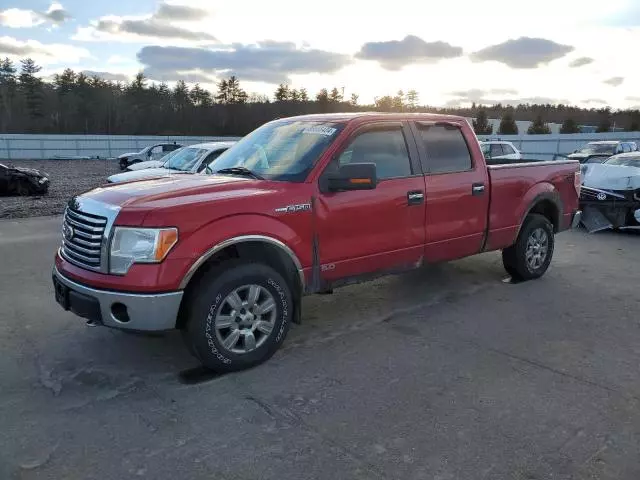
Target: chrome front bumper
{"x": 125, "y": 311}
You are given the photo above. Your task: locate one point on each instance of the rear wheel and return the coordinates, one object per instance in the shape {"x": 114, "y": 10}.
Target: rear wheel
{"x": 239, "y": 316}
{"x": 531, "y": 255}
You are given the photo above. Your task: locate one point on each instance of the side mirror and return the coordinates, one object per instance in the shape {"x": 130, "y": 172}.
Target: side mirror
{"x": 353, "y": 176}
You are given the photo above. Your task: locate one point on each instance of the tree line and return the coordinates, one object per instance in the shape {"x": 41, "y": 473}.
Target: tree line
{"x": 72, "y": 102}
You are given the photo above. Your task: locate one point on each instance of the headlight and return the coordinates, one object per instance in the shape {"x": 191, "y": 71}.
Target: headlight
{"x": 43, "y": 180}
{"x": 139, "y": 245}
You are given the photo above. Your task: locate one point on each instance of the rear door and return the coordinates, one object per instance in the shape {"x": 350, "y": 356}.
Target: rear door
{"x": 367, "y": 231}
{"x": 457, "y": 191}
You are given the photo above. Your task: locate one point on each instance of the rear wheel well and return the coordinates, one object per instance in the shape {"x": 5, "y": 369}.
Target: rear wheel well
{"x": 548, "y": 209}
{"x": 250, "y": 252}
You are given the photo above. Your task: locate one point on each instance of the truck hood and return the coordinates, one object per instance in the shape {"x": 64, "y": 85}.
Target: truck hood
{"x": 611, "y": 177}
{"x": 144, "y": 174}
{"x": 177, "y": 190}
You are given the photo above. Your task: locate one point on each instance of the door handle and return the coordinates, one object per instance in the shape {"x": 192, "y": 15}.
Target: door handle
{"x": 477, "y": 189}
{"x": 415, "y": 197}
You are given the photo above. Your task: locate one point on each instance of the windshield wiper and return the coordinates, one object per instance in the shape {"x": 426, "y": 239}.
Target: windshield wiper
{"x": 244, "y": 171}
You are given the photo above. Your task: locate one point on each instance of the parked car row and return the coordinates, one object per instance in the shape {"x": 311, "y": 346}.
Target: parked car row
{"x": 185, "y": 160}
{"x": 151, "y": 152}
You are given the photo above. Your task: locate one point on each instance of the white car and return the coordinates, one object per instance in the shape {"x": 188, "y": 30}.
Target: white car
{"x": 152, "y": 163}
{"x": 188, "y": 160}
{"x": 500, "y": 150}
{"x": 152, "y": 152}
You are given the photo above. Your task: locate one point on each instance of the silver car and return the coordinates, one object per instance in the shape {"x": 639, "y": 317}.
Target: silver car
{"x": 187, "y": 160}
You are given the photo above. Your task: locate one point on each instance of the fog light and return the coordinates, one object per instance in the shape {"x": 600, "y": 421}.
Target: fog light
{"x": 120, "y": 313}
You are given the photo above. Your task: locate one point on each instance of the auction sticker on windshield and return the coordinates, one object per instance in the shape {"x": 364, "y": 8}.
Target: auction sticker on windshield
{"x": 320, "y": 130}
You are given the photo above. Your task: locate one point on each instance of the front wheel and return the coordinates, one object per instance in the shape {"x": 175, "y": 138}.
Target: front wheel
{"x": 531, "y": 255}
{"x": 239, "y": 316}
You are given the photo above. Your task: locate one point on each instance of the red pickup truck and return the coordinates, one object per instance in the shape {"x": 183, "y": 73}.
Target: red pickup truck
{"x": 300, "y": 206}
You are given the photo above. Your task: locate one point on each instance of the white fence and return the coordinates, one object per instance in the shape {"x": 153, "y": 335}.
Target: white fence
{"x": 25, "y": 146}
{"x": 549, "y": 146}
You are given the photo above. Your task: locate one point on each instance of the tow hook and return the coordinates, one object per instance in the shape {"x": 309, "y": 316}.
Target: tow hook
{"x": 91, "y": 323}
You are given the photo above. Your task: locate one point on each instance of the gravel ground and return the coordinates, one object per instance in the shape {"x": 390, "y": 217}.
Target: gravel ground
{"x": 68, "y": 178}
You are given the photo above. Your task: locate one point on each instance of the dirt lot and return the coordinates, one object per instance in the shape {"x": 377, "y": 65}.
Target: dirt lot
{"x": 68, "y": 178}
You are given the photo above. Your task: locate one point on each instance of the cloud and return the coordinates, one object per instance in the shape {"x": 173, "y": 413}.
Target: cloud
{"x": 633, "y": 99}
{"x": 614, "y": 81}
{"x": 42, "y": 53}
{"x": 114, "y": 77}
{"x": 20, "y": 18}
{"x": 598, "y": 101}
{"x": 395, "y": 54}
{"x": 480, "y": 96}
{"x": 524, "y": 52}
{"x": 268, "y": 61}
{"x": 167, "y": 11}
{"x": 581, "y": 62}
{"x": 158, "y": 26}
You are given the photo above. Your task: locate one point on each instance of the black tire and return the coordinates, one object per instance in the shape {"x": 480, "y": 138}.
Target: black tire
{"x": 207, "y": 300}
{"x": 514, "y": 258}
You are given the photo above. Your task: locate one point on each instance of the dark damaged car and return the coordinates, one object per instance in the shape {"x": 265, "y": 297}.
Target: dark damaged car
{"x": 22, "y": 181}
{"x": 610, "y": 193}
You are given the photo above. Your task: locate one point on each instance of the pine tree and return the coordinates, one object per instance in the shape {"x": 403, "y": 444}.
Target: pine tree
{"x": 31, "y": 88}
{"x": 412, "y": 99}
{"x": 538, "y": 127}
{"x": 569, "y": 126}
{"x": 508, "y": 125}
{"x": 8, "y": 89}
{"x": 294, "y": 95}
{"x": 335, "y": 96}
{"x": 322, "y": 96}
{"x": 481, "y": 124}
{"x": 236, "y": 94}
{"x": 223, "y": 92}
{"x": 398, "y": 101}
{"x": 304, "y": 95}
{"x": 282, "y": 93}
{"x": 354, "y": 99}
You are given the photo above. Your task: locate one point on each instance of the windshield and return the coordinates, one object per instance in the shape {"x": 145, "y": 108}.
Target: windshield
{"x": 625, "y": 161}
{"x": 184, "y": 159}
{"x": 605, "y": 148}
{"x": 285, "y": 150}
{"x": 485, "y": 147}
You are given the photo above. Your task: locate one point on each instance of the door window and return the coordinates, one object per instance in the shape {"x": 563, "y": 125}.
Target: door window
{"x": 386, "y": 148}
{"x": 447, "y": 150}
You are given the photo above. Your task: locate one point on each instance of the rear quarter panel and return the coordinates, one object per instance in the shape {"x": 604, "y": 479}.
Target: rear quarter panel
{"x": 515, "y": 189}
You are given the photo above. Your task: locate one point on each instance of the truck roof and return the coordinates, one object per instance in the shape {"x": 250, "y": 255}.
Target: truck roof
{"x": 348, "y": 116}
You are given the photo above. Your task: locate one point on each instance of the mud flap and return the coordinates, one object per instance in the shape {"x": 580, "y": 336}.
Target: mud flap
{"x": 594, "y": 220}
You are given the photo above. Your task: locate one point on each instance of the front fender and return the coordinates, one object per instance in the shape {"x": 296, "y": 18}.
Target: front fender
{"x": 222, "y": 232}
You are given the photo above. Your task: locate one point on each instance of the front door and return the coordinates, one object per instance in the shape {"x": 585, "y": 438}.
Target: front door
{"x": 457, "y": 192}
{"x": 374, "y": 231}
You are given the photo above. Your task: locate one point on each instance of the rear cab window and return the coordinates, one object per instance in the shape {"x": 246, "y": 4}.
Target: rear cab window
{"x": 445, "y": 149}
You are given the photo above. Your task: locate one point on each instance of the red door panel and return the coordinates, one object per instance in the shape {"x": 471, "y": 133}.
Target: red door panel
{"x": 457, "y": 192}
{"x": 368, "y": 231}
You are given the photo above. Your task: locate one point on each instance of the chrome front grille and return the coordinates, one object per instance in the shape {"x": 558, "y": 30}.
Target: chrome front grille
{"x": 82, "y": 238}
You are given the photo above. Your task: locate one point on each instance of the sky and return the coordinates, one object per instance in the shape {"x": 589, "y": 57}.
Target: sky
{"x": 580, "y": 52}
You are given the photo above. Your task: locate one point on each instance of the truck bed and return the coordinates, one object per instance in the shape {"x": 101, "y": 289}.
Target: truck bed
{"x": 525, "y": 181}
